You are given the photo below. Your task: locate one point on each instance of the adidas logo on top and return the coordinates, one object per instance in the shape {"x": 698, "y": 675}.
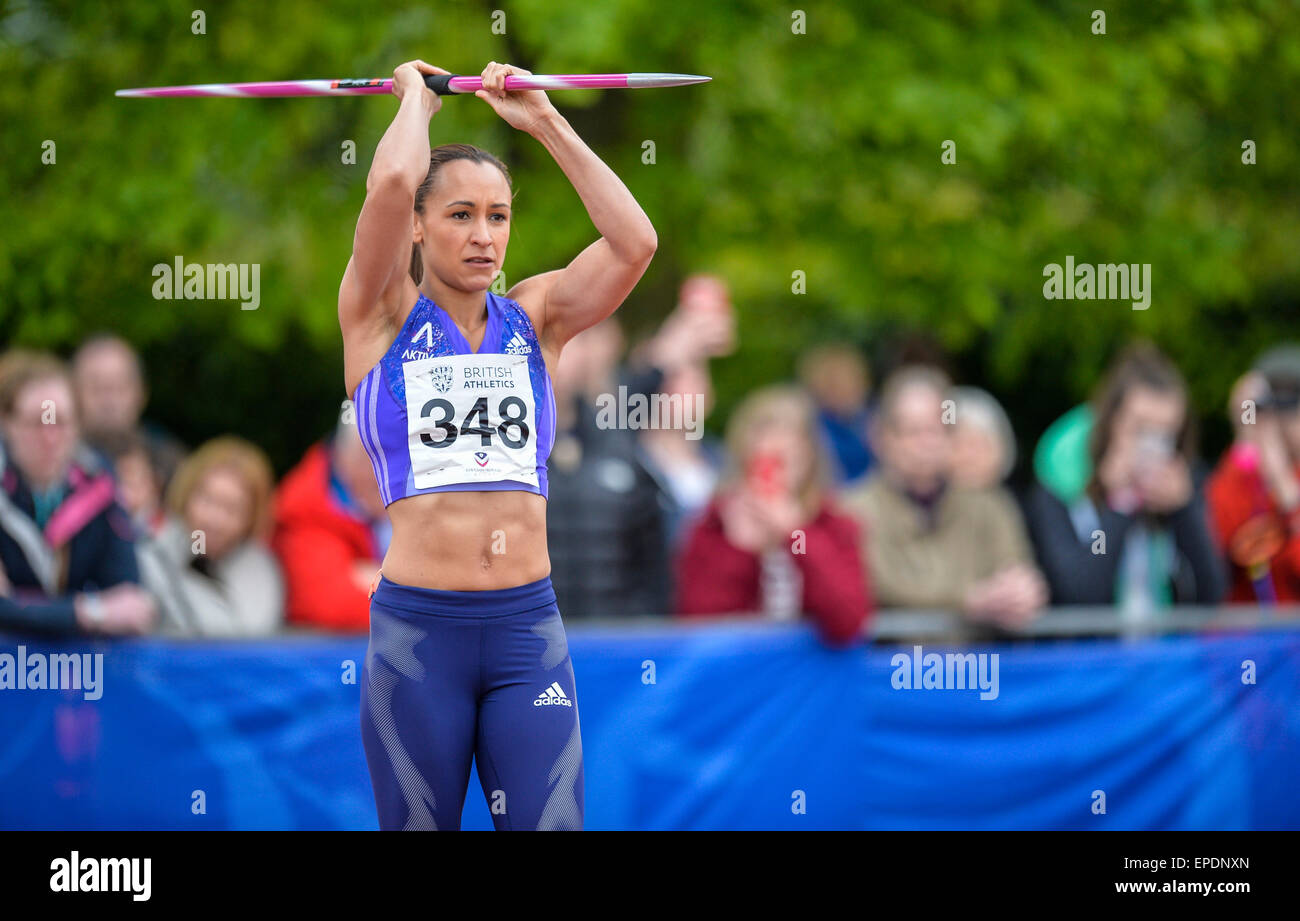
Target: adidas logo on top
{"x": 553, "y": 697}
{"x": 517, "y": 346}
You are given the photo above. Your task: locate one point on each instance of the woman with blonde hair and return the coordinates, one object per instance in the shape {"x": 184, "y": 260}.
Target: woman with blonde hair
{"x": 771, "y": 541}
{"x": 209, "y": 566}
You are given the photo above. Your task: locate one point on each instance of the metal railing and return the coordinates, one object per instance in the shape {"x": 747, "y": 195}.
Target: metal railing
{"x": 896, "y": 625}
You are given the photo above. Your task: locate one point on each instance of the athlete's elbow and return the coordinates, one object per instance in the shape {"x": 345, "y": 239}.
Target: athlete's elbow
{"x": 641, "y": 250}
{"x": 376, "y": 178}
{"x": 389, "y": 181}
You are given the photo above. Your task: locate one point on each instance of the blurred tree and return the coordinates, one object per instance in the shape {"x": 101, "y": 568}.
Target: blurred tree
{"x": 816, "y": 152}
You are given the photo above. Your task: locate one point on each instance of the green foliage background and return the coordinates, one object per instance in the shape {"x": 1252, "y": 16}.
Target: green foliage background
{"x": 817, "y": 152}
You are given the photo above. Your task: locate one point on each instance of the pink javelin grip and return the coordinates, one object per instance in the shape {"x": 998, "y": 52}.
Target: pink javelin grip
{"x": 442, "y": 84}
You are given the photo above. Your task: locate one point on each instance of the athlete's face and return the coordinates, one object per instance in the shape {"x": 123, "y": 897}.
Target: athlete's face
{"x": 465, "y": 225}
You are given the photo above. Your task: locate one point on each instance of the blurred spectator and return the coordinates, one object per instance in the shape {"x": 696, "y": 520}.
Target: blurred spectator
{"x": 771, "y": 541}
{"x": 604, "y": 522}
{"x": 983, "y": 444}
{"x": 219, "y": 579}
{"x": 331, "y": 533}
{"x": 674, "y": 364}
{"x": 839, "y": 380}
{"x": 1254, "y": 493}
{"x": 139, "y": 486}
{"x": 931, "y": 543}
{"x": 1247, "y": 391}
{"x": 686, "y": 468}
{"x": 1137, "y": 536}
{"x": 701, "y": 326}
{"x": 111, "y": 393}
{"x": 610, "y": 506}
{"x": 67, "y": 562}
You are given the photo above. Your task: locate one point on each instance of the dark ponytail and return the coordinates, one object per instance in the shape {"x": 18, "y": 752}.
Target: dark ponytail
{"x": 437, "y": 158}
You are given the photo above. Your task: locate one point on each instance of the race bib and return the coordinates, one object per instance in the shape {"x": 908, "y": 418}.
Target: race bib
{"x": 470, "y": 419}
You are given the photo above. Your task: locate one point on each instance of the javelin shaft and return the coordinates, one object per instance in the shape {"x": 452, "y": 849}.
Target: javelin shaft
{"x": 442, "y": 84}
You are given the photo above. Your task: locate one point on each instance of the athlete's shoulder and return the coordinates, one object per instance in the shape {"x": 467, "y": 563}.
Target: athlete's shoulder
{"x": 515, "y": 316}
{"x": 529, "y": 296}
{"x": 518, "y": 332}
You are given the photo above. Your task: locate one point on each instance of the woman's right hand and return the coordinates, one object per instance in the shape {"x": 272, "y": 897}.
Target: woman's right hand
{"x": 741, "y": 522}
{"x": 409, "y": 78}
{"x": 757, "y": 523}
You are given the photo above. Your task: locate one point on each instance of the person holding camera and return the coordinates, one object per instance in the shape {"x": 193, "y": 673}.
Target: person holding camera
{"x": 1138, "y": 537}
{"x": 1254, "y": 492}
{"x": 773, "y": 540}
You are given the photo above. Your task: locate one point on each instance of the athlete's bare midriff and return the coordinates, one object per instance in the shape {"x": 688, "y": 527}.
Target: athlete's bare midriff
{"x": 468, "y": 541}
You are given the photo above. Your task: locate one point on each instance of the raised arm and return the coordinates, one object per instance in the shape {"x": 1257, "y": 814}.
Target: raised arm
{"x": 381, "y": 247}
{"x": 596, "y": 282}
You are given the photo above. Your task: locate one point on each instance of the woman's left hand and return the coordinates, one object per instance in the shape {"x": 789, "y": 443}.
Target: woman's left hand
{"x": 522, "y": 109}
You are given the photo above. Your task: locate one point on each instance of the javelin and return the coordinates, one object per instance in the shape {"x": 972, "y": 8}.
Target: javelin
{"x": 442, "y": 84}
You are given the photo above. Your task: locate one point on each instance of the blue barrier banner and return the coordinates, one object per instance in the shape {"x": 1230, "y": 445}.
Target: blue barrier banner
{"x": 719, "y": 726}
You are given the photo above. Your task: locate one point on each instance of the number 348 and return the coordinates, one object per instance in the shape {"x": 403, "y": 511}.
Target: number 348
{"x": 512, "y": 410}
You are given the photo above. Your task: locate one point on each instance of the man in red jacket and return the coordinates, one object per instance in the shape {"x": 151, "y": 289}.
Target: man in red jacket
{"x": 331, "y": 532}
{"x": 1254, "y": 493}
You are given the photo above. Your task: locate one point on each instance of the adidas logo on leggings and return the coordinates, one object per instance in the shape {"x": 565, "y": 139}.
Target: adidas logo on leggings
{"x": 552, "y": 697}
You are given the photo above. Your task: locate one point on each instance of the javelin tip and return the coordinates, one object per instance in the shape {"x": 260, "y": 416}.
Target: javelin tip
{"x": 646, "y": 80}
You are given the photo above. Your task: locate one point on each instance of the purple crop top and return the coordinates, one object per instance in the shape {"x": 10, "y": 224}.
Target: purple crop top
{"x": 437, "y": 417}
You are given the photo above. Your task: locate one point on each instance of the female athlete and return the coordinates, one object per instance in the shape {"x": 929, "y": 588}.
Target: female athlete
{"x": 452, "y": 392}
